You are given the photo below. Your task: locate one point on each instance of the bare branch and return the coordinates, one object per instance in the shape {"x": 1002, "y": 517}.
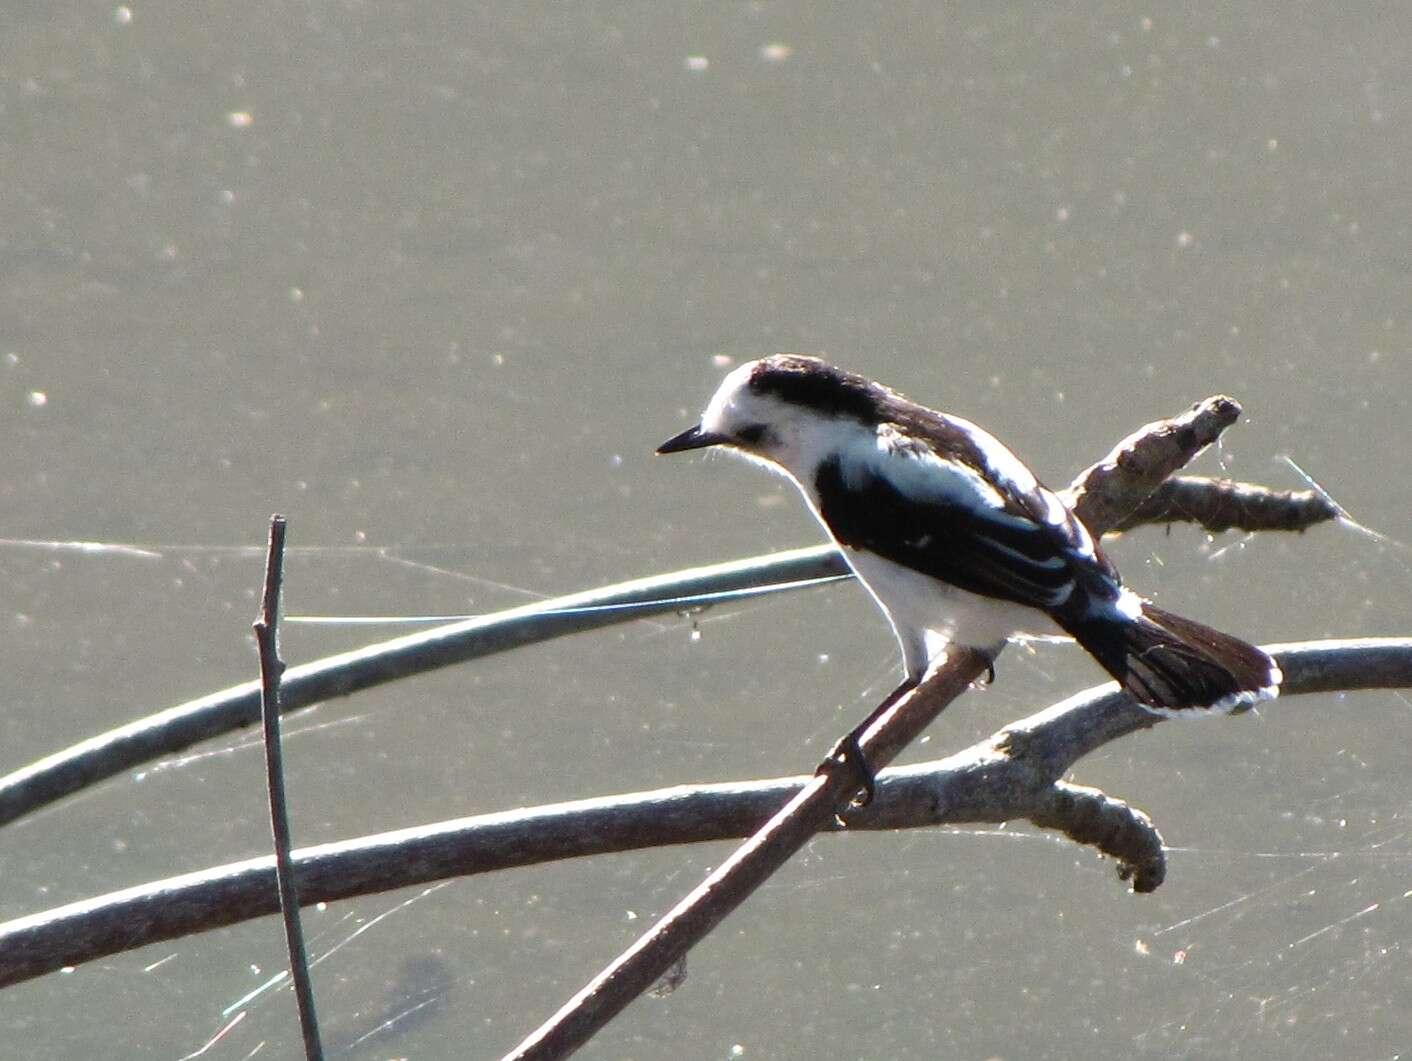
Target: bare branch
{"x": 818, "y": 804}
{"x": 1222, "y": 504}
{"x": 1104, "y": 493}
{"x": 173, "y": 730}
{"x": 1007, "y": 776}
{"x": 271, "y": 668}
{"x": 1091, "y": 817}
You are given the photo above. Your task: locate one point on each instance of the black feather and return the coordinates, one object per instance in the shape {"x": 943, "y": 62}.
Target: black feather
{"x": 1172, "y": 663}
{"x": 1003, "y": 553}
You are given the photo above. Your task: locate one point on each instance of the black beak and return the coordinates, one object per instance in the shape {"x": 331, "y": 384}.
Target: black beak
{"x": 692, "y": 438}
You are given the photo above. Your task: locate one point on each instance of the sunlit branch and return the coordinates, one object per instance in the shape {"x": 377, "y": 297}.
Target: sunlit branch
{"x": 1005, "y": 777}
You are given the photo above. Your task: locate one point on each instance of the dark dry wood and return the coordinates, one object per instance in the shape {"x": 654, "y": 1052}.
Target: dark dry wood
{"x": 1223, "y": 504}
{"x": 271, "y": 668}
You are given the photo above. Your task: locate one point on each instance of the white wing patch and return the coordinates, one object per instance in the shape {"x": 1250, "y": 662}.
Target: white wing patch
{"x": 916, "y": 472}
{"x": 1010, "y": 470}
{"x": 1003, "y": 464}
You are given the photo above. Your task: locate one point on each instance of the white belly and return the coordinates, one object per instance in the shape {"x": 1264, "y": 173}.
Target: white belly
{"x": 927, "y": 614}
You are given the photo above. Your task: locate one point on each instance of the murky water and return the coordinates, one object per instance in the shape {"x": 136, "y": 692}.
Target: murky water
{"x": 433, "y": 279}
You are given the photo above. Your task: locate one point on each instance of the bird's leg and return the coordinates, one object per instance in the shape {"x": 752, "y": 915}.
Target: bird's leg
{"x": 848, "y": 752}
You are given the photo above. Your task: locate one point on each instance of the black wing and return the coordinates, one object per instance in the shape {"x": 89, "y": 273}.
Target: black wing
{"x": 1032, "y": 551}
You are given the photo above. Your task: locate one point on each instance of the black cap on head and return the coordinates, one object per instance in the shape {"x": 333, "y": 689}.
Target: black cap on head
{"x": 813, "y": 384}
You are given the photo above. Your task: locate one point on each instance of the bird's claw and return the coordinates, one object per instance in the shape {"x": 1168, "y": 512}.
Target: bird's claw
{"x": 849, "y": 753}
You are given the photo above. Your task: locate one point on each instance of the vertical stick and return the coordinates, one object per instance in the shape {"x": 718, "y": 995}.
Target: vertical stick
{"x": 271, "y": 669}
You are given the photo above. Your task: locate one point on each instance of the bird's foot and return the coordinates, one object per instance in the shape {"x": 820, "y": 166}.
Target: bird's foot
{"x": 849, "y": 753}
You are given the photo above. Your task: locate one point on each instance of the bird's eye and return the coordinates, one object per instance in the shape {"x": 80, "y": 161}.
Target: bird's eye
{"x": 750, "y": 434}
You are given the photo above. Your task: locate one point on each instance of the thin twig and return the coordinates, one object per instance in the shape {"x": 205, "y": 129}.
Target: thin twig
{"x": 271, "y": 668}
{"x": 1002, "y": 778}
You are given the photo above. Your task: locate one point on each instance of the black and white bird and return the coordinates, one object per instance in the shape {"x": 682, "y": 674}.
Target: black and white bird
{"x": 957, "y": 540}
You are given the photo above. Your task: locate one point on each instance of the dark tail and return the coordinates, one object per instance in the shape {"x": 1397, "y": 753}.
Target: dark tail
{"x": 1172, "y": 665}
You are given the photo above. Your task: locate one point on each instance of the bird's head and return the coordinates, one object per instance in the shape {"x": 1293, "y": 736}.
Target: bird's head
{"x": 788, "y": 410}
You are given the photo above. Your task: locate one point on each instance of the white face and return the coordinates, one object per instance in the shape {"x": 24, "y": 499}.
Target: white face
{"x": 734, "y": 411}
{"x": 764, "y": 428}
